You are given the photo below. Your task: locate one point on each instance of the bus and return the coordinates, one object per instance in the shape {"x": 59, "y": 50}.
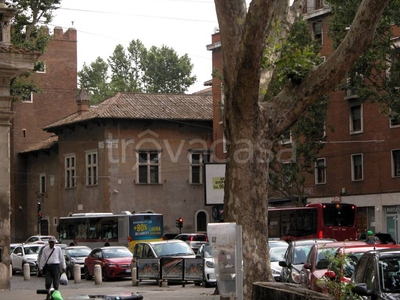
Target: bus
{"x": 315, "y": 220}
{"x": 108, "y": 229}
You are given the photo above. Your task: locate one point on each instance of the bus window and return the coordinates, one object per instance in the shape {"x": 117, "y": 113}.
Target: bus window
{"x": 338, "y": 215}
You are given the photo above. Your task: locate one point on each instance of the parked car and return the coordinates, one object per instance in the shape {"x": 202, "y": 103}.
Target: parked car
{"x": 376, "y": 275}
{"x": 39, "y": 239}
{"x": 194, "y": 240}
{"x": 277, "y": 254}
{"x": 38, "y": 274}
{"x": 115, "y": 262}
{"x": 175, "y": 248}
{"x": 318, "y": 261}
{"x": 205, "y": 253}
{"x": 24, "y": 254}
{"x": 75, "y": 256}
{"x": 295, "y": 257}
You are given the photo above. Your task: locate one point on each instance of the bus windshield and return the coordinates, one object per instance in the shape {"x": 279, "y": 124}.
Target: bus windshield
{"x": 338, "y": 215}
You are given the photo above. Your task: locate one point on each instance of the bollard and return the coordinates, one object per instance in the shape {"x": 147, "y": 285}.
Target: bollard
{"x": 97, "y": 274}
{"x": 27, "y": 272}
{"x": 134, "y": 272}
{"x": 11, "y": 271}
{"x": 77, "y": 274}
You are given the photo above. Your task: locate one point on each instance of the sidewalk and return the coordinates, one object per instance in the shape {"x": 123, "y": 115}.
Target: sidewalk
{"x": 26, "y": 290}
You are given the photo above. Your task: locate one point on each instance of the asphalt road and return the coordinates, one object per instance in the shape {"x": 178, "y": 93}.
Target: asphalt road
{"x": 22, "y": 289}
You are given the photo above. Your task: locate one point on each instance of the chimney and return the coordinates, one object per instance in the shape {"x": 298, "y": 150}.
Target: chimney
{"x": 83, "y": 101}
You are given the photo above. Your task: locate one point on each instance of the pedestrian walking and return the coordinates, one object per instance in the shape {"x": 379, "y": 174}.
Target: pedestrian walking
{"x": 51, "y": 262}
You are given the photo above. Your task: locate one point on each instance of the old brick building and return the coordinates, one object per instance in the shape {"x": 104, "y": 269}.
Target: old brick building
{"x": 132, "y": 152}
{"x": 360, "y": 162}
{"x": 58, "y": 82}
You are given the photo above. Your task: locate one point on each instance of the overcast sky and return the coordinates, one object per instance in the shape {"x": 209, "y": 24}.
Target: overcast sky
{"x": 184, "y": 25}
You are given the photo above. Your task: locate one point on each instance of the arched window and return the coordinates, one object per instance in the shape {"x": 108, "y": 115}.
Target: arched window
{"x": 201, "y": 221}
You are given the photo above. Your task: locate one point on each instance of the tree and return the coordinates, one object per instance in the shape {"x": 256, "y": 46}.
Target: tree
{"x": 295, "y": 152}
{"x": 26, "y": 33}
{"x": 137, "y": 69}
{"x": 252, "y": 126}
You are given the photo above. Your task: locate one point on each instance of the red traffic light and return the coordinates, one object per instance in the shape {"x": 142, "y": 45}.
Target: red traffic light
{"x": 180, "y": 220}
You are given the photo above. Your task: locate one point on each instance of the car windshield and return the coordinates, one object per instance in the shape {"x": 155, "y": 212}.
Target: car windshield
{"x": 300, "y": 254}
{"x": 277, "y": 253}
{"x": 116, "y": 252}
{"x": 172, "y": 249}
{"x": 81, "y": 252}
{"x": 389, "y": 270}
{"x": 32, "y": 250}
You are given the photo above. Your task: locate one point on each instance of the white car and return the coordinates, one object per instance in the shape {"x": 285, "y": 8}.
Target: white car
{"x": 25, "y": 253}
{"x": 39, "y": 239}
{"x": 209, "y": 278}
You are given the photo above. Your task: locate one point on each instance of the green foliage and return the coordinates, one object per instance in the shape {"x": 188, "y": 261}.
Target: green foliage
{"x": 288, "y": 174}
{"x": 376, "y": 74}
{"x": 137, "y": 69}
{"x": 340, "y": 266}
{"x": 26, "y": 33}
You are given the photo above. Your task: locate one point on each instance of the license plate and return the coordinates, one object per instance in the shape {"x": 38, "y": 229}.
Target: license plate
{"x": 127, "y": 271}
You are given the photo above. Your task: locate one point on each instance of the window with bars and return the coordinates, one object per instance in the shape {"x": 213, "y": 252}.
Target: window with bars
{"x": 396, "y": 163}
{"x": 317, "y": 31}
{"x": 320, "y": 171}
{"x": 149, "y": 167}
{"x": 197, "y": 161}
{"x": 357, "y": 167}
{"x": 70, "y": 176}
{"x": 91, "y": 168}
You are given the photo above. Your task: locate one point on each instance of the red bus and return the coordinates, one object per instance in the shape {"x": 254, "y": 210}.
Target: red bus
{"x": 316, "y": 220}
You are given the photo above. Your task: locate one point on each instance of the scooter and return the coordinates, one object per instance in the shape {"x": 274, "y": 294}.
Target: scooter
{"x": 52, "y": 294}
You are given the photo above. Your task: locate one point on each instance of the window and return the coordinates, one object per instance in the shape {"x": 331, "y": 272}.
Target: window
{"x": 42, "y": 183}
{"x": 40, "y": 67}
{"x": 149, "y": 167}
{"x": 396, "y": 163}
{"x": 356, "y": 122}
{"x": 320, "y": 171}
{"x": 91, "y": 168}
{"x": 317, "y": 30}
{"x": 70, "y": 176}
{"x": 394, "y": 119}
{"x": 288, "y": 173}
{"x": 197, "y": 161}
{"x": 28, "y": 98}
{"x": 357, "y": 167}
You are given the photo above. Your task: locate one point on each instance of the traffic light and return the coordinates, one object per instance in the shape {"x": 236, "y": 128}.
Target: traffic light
{"x": 179, "y": 223}
{"x": 39, "y": 208}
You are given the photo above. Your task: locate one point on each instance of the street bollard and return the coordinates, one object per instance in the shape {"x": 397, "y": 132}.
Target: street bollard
{"x": 134, "y": 272}
{"x": 77, "y": 274}
{"x": 10, "y": 271}
{"x": 97, "y": 275}
{"x": 27, "y": 272}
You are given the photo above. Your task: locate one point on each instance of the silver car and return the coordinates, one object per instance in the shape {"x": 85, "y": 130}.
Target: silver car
{"x": 75, "y": 256}
{"x": 24, "y": 253}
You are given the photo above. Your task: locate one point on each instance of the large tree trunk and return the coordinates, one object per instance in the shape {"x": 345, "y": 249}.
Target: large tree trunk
{"x": 251, "y": 127}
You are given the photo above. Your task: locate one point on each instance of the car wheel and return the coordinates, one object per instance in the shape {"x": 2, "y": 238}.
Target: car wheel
{"x": 12, "y": 270}
{"x": 69, "y": 274}
{"x": 104, "y": 275}
{"x": 206, "y": 284}
{"x": 86, "y": 272}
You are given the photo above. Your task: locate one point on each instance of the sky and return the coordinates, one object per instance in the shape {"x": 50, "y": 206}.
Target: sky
{"x": 184, "y": 25}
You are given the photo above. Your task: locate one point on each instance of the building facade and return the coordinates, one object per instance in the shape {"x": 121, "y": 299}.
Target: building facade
{"x": 57, "y": 80}
{"x": 132, "y": 152}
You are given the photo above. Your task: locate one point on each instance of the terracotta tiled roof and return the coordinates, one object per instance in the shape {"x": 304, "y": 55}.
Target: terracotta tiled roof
{"x": 144, "y": 106}
{"x": 43, "y": 145}
{"x": 204, "y": 92}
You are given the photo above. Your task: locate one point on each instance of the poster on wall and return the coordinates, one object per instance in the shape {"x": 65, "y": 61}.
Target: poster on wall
{"x": 214, "y": 183}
